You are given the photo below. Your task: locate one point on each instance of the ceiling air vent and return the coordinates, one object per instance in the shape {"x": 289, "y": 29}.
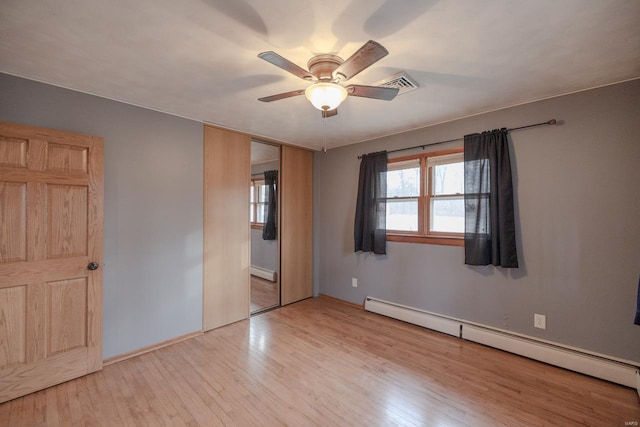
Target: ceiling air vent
{"x": 402, "y": 81}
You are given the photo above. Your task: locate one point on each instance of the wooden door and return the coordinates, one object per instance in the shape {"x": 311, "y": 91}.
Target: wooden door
{"x": 227, "y": 238}
{"x": 51, "y": 195}
{"x": 296, "y": 233}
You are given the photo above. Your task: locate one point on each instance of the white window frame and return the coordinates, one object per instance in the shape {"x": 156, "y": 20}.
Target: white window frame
{"x": 255, "y": 203}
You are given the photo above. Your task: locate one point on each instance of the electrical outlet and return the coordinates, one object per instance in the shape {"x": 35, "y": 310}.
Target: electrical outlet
{"x": 354, "y": 282}
{"x": 540, "y": 321}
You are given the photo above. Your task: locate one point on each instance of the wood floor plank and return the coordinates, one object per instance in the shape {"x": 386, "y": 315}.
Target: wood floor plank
{"x": 193, "y": 403}
{"x": 322, "y": 363}
{"x": 161, "y": 378}
{"x": 161, "y": 398}
{"x": 144, "y": 395}
{"x": 62, "y": 409}
{"x": 51, "y": 417}
{"x": 25, "y": 414}
{"x": 15, "y": 413}
{"x": 75, "y": 406}
{"x": 196, "y": 381}
{"x": 264, "y": 294}
{"x": 39, "y": 409}
{"x": 119, "y": 414}
{"x": 28, "y": 411}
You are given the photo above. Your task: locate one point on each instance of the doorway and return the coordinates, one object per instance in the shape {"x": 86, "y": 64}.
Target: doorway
{"x": 265, "y": 233}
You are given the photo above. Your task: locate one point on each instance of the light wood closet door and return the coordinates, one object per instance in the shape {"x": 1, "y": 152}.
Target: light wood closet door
{"x": 227, "y": 239}
{"x": 51, "y": 193}
{"x": 296, "y": 232}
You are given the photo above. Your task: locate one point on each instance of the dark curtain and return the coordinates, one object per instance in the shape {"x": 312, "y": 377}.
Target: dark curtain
{"x": 370, "y": 234}
{"x": 270, "y": 231}
{"x": 490, "y": 232}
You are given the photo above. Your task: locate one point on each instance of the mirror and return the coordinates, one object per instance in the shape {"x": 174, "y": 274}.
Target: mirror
{"x": 265, "y": 253}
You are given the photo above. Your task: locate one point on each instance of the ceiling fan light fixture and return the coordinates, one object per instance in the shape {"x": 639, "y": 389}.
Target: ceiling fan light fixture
{"x": 326, "y": 96}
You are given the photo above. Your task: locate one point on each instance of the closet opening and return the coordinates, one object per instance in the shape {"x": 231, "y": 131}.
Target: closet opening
{"x": 265, "y": 226}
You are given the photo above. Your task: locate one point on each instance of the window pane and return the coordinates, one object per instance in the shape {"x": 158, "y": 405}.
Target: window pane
{"x": 262, "y": 212}
{"x": 251, "y": 211}
{"x": 448, "y": 178}
{"x": 252, "y": 196}
{"x": 263, "y": 193}
{"x": 479, "y": 173}
{"x": 447, "y": 215}
{"x": 477, "y": 215}
{"x": 402, "y": 215}
{"x": 403, "y": 182}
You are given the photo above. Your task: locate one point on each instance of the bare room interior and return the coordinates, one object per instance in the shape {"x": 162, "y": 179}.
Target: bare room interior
{"x": 389, "y": 212}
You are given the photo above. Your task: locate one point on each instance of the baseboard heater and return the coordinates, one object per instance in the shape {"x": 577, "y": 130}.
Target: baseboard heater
{"x": 263, "y": 273}
{"x": 595, "y": 365}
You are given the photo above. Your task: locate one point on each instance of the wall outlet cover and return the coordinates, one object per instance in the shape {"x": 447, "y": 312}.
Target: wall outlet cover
{"x": 540, "y": 321}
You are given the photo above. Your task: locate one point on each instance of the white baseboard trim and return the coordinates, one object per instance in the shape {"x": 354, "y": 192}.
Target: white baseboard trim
{"x": 555, "y": 355}
{"x": 263, "y": 273}
{"x": 596, "y": 365}
{"x": 414, "y": 316}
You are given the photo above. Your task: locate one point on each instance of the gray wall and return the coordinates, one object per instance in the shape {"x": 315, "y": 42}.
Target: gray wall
{"x": 578, "y": 223}
{"x": 152, "y": 210}
{"x": 264, "y": 253}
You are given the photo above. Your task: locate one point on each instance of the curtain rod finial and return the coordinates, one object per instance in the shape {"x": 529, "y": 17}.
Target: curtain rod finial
{"x": 552, "y": 122}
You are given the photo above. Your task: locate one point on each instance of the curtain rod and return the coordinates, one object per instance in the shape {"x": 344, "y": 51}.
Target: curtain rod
{"x": 549, "y": 122}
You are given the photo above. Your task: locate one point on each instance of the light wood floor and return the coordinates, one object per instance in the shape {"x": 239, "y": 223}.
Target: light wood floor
{"x": 324, "y": 363}
{"x": 264, "y": 294}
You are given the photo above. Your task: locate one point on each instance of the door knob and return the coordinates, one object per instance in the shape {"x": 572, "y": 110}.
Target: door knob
{"x": 93, "y": 266}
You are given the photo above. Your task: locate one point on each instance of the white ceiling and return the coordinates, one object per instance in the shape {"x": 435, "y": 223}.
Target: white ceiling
{"x": 263, "y": 153}
{"x": 197, "y": 58}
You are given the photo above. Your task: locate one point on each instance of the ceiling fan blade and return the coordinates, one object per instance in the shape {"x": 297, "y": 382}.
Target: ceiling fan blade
{"x": 329, "y": 113}
{"x": 286, "y": 65}
{"x": 375, "y": 92}
{"x": 370, "y": 53}
{"x": 282, "y": 96}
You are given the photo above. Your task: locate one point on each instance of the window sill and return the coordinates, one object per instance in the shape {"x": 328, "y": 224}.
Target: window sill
{"x": 429, "y": 240}
{"x": 257, "y": 226}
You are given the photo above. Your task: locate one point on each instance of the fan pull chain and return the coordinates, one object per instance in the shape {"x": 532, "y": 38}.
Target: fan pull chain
{"x": 324, "y": 135}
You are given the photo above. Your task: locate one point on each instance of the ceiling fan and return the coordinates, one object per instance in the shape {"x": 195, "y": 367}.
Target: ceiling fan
{"x": 327, "y": 71}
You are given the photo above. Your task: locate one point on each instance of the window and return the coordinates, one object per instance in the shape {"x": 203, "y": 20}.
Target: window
{"x": 259, "y": 197}
{"x": 425, "y": 198}
{"x": 403, "y": 195}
